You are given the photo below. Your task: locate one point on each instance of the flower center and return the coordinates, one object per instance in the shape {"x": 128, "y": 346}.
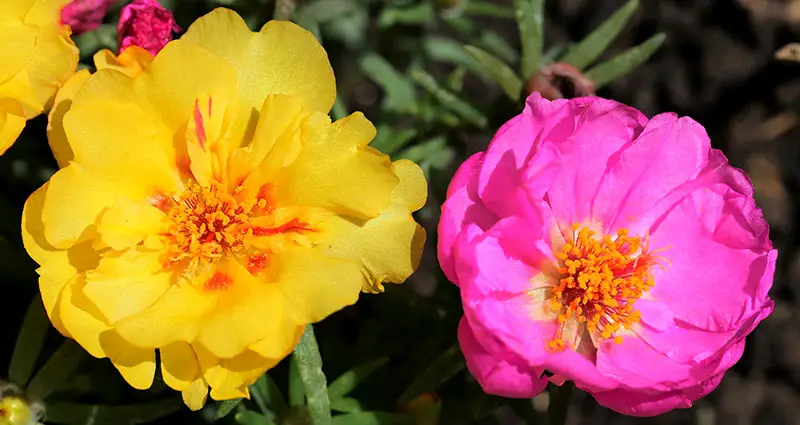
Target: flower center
{"x": 207, "y": 223}
{"x": 600, "y": 280}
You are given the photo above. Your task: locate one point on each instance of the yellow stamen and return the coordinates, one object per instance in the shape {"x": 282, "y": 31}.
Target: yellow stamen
{"x": 600, "y": 280}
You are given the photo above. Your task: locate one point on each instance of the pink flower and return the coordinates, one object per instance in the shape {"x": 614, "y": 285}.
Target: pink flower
{"x": 594, "y": 245}
{"x": 85, "y": 15}
{"x": 145, "y": 23}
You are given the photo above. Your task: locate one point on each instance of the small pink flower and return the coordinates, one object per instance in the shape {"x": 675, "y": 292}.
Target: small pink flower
{"x": 85, "y": 15}
{"x": 594, "y": 245}
{"x": 145, "y": 23}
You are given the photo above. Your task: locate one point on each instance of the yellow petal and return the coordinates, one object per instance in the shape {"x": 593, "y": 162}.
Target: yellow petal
{"x": 127, "y": 223}
{"x": 122, "y": 145}
{"x": 55, "y": 125}
{"x": 229, "y": 378}
{"x": 131, "y": 62}
{"x": 389, "y": 246}
{"x": 282, "y": 58}
{"x": 18, "y": 48}
{"x": 280, "y": 116}
{"x": 12, "y": 121}
{"x": 43, "y": 12}
{"x": 412, "y": 191}
{"x": 247, "y": 310}
{"x": 125, "y": 284}
{"x": 53, "y": 61}
{"x": 57, "y": 266}
{"x": 176, "y": 316}
{"x": 195, "y": 395}
{"x": 81, "y": 318}
{"x": 179, "y": 365}
{"x": 208, "y": 137}
{"x": 315, "y": 286}
{"x": 340, "y": 172}
{"x": 137, "y": 365}
{"x": 73, "y": 201}
{"x": 165, "y": 90}
{"x": 274, "y": 348}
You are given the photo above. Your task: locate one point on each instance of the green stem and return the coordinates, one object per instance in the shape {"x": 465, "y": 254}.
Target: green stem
{"x": 558, "y": 407}
{"x": 284, "y": 9}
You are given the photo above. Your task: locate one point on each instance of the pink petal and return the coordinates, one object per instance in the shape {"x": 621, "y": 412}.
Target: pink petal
{"x": 670, "y": 151}
{"x": 496, "y": 271}
{"x": 718, "y": 271}
{"x": 512, "y": 148}
{"x": 642, "y": 403}
{"x": 498, "y": 370}
{"x": 461, "y": 208}
{"x": 589, "y": 141}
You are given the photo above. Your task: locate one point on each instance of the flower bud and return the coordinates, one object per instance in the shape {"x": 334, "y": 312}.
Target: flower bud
{"x": 147, "y": 24}
{"x": 85, "y": 15}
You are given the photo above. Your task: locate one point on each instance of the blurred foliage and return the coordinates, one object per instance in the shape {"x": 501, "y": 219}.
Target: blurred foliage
{"x": 433, "y": 78}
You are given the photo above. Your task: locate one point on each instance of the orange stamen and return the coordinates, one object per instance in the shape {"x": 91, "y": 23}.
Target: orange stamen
{"x": 601, "y": 279}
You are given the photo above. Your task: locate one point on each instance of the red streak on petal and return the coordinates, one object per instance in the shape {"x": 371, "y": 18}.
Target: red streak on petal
{"x": 162, "y": 202}
{"x": 199, "y": 126}
{"x": 294, "y": 225}
{"x": 256, "y": 263}
{"x": 184, "y": 165}
{"x": 209, "y": 106}
{"x": 218, "y": 282}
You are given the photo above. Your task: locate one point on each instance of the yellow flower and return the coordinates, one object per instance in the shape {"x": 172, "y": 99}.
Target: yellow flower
{"x": 37, "y": 56}
{"x": 207, "y": 207}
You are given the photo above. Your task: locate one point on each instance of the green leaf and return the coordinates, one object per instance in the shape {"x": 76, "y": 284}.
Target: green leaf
{"x": 434, "y": 152}
{"x": 87, "y": 414}
{"x": 57, "y": 369}
{"x": 625, "y": 62}
{"x": 29, "y": 342}
{"x": 346, "y": 405}
{"x": 590, "y": 48}
{"x": 373, "y": 418}
{"x": 510, "y": 83}
{"x": 493, "y": 42}
{"x": 448, "y": 99}
{"x": 446, "y": 50}
{"x": 420, "y": 13}
{"x": 252, "y": 418}
{"x": 309, "y": 364}
{"x": 449, "y": 363}
{"x": 350, "y": 379}
{"x": 553, "y": 54}
{"x": 322, "y": 11}
{"x": 350, "y": 29}
{"x": 400, "y": 93}
{"x": 486, "y": 39}
{"x": 267, "y": 394}
{"x": 482, "y": 8}
{"x": 225, "y": 407}
{"x": 455, "y": 81}
{"x": 389, "y": 140}
{"x": 297, "y": 395}
{"x": 529, "y": 19}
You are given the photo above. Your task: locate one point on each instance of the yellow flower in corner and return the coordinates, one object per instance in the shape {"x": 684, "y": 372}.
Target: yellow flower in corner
{"x": 38, "y": 56}
{"x": 208, "y": 208}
